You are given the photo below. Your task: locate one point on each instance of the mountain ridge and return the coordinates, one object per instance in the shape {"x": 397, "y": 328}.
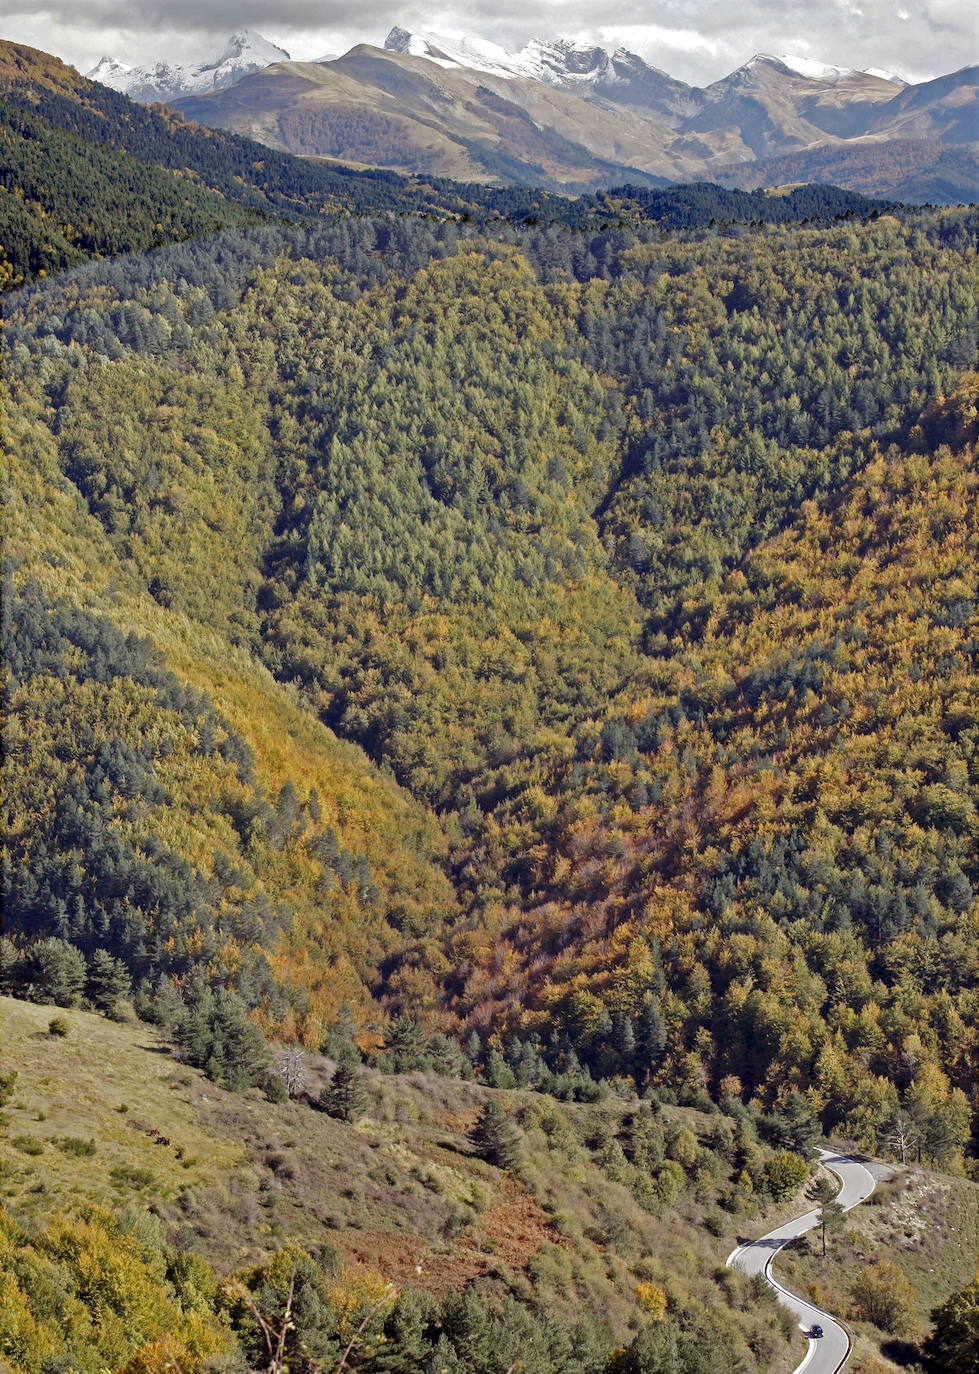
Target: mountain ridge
{"x": 570, "y": 116}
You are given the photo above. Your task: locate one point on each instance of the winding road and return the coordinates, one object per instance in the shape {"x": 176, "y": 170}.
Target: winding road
{"x": 830, "y": 1352}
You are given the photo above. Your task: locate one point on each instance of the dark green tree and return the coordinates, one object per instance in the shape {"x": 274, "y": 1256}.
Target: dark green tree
{"x": 953, "y": 1346}
{"x": 495, "y": 1138}
{"x": 793, "y": 1126}
{"x": 345, "y": 1097}
{"x": 107, "y": 981}
{"x": 498, "y": 1072}
{"x": 52, "y": 971}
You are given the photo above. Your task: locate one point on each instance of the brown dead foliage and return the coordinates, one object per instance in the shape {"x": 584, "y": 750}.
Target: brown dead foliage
{"x": 509, "y": 1235}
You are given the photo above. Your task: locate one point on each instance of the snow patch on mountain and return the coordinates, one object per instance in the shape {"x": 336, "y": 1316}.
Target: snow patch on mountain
{"x": 476, "y": 54}
{"x": 886, "y": 76}
{"x": 823, "y": 72}
{"x": 814, "y": 71}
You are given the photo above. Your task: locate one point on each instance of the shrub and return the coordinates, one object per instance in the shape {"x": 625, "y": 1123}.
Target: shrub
{"x": 28, "y": 1144}
{"x": 125, "y": 1176}
{"x": 652, "y": 1301}
{"x": 74, "y": 1145}
{"x": 58, "y": 1027}
{"x": 275, "y": 1088}
{"x": 785, "y": 1173}
{"x": 882, "y": 1295}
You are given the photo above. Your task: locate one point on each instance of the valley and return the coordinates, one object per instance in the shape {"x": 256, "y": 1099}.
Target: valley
{"x": 491, "y": 743}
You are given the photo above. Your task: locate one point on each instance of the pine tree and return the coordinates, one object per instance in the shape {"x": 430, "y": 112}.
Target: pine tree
{"x": 832, "y": 1217}
{"x": 794, "y": 1126}
{"x": 345, "y": 1097}
{"x": 495, "y": 1138}
{"x": 498, "y": 1072}
{"x": 107, "y": 982}
{"x": 245, "y": 1052}
{"x": 52, "y": 971}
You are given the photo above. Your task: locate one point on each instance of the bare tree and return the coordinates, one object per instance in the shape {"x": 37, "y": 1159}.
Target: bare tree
{"x": 902, "y": 1137}
{"x": 276, "y": 1335}
{"x": 291, "y": 1066}
{"x": 275, "y": 1339}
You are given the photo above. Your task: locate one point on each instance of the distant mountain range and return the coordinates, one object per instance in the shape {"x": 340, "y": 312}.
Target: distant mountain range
{"x": 576, "y": 66}
{"x": 568, "y": 116}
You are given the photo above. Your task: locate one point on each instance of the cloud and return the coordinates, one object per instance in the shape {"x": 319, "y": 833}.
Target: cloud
{"x": 698, "y": 40}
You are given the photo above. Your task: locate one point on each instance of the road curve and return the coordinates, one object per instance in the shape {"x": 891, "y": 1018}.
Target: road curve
{"x": 829, "y": 1353}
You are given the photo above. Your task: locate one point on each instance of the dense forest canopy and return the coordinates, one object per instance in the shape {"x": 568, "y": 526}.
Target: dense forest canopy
{"x": 492, "y": 680}
{"x": 638, "y": 561}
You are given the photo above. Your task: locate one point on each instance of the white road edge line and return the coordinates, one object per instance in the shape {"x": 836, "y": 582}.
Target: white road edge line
{"x": 825, "y": 1157}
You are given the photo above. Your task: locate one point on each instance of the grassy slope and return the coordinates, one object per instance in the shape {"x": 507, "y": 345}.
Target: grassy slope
{"x": 399, "y": 1192}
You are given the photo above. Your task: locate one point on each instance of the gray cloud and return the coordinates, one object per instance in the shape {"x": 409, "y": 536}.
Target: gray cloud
{"x": 698, "y": 40}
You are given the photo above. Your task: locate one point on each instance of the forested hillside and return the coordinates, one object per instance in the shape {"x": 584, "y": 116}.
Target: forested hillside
{"x": 535, "y": 655}
{"x": 86, "y": 172}
{"x": 490, "y": 508}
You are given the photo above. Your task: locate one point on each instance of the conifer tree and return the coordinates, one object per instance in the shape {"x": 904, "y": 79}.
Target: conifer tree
{"x": 495, "y": 1138}
{"x": 53, "y": 971}
{"x": 107, "y": 981}
{"x": 345, "y": 1097}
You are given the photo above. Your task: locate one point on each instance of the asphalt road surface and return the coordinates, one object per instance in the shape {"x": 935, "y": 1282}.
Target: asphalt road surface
{"x": 830, "y": 1352}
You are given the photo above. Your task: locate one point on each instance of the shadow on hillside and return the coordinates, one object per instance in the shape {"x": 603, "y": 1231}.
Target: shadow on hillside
{"x": 905, "y": 1354}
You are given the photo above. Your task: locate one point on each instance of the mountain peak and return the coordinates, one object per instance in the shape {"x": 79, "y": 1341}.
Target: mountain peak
{"x": 883, "y": 75}
{"x": 825, "y": 73}
{"x": 105, "y": 65}
{"x": 244, "y": 52}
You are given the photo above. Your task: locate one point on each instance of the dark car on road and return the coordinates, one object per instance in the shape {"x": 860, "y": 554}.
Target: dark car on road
{"x": 816, "y": 1332}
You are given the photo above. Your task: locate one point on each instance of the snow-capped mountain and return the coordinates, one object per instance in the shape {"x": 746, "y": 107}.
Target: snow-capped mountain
{"x": 824, "y": 73}
{"x": 886, "y": 76}
{"x": 558, "y": 62}
{"x": 578, "y": 66}
{"x": 559, "y": 112}
{"x": 474, "y": 54}
{"x": 244, "y": 52}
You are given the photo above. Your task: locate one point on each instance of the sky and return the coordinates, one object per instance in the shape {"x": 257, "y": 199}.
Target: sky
{"x": 695, "y": 40}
